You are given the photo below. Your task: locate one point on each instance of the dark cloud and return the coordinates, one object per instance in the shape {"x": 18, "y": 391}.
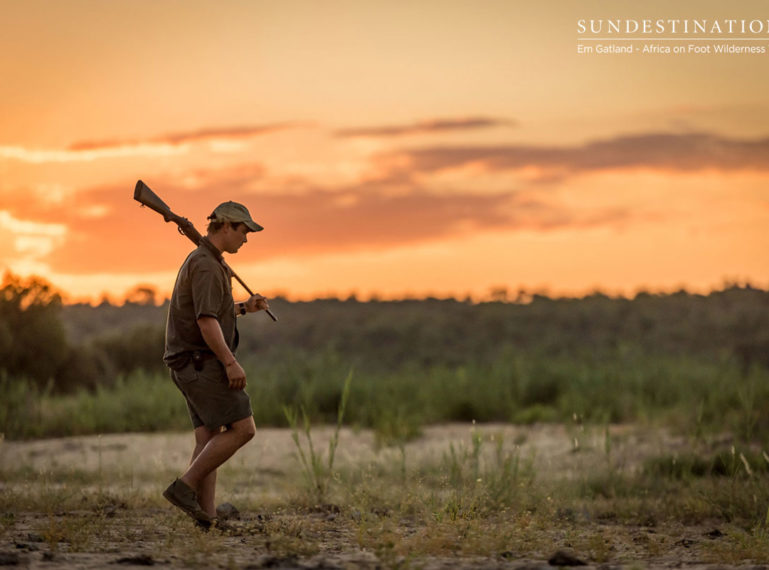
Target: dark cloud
{"x": 127, "y": 238}
{"x": 681, "y": 152}
{"x": 130, "y": 238}
{"x": 425, "y": 127}
{"x": 109, "y": 232}
{"x": 189, "y": 136}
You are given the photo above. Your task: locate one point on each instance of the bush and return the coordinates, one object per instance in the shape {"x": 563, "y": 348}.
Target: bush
{"x": 33, "y": 342}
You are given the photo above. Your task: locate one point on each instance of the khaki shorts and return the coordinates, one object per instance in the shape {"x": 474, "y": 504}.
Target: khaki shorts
{"x": 210, "y": 400}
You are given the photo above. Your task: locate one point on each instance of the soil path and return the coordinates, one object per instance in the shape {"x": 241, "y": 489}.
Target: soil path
{"x": 129, "y": 537}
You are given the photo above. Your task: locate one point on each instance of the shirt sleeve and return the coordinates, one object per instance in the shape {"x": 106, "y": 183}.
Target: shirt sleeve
{"x": 208, "y": 291}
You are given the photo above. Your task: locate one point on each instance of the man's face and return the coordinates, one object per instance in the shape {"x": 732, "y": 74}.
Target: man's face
{"x": 234, "y": 237}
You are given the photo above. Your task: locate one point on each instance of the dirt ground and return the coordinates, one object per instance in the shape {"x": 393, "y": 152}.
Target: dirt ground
{"x": 123, "y": 521}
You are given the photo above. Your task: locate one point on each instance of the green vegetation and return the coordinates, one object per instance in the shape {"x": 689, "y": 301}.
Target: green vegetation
{"x": 317, "y": 473}
{"x": 697, "y": 363}
{"x": 32, "y": 338}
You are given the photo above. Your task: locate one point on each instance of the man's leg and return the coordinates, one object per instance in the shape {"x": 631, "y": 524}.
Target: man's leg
{"x": 206, "y": 490}
{"x": 215, "y": 450}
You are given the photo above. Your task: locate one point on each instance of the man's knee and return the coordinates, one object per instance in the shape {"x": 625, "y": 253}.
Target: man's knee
{"x": 248, "y": 433}
{"x": 245, "y": 429}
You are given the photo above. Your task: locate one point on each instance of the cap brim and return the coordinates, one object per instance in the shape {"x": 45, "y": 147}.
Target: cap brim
{"x": 253, "y": 226}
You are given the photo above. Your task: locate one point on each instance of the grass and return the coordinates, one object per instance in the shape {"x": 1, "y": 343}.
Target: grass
{"x": 693, "y": 396}
{"x": 317, "y": 473}
{"x": 489, "y": 494}
{"x": 361, "y": 483}
{"x": 138, "y": 402}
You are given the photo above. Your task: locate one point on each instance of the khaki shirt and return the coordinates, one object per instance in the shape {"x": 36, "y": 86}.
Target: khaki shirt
{"x": 203, "y": 288}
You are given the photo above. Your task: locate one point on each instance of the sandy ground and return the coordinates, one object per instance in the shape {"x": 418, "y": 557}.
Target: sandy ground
{"x": 149, "y": 461}
{"x": 551, "y": 447}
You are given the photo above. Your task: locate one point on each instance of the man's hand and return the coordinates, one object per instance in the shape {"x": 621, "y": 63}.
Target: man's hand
{"x": 236, "y": 376}
{"x": 212, "y": 334}
{"x": 257, "y": 303}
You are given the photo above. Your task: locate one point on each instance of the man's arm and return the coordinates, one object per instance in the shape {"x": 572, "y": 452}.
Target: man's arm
{"x": 212, "y": 334}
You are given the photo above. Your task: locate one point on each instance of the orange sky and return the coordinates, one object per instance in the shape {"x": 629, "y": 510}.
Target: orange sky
{"x": 430, "y": 147}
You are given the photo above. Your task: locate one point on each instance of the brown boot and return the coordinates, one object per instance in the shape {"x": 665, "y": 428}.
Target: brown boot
{"x": 183, "y": 497}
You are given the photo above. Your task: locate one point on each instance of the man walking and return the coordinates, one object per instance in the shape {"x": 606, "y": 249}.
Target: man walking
{"x": 201, "y": 337}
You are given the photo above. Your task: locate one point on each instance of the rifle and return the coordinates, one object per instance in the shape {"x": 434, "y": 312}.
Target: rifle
{"x": 147, "y": 197}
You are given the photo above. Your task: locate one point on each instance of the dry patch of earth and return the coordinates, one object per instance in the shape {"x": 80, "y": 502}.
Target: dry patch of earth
{"x": 95, "y": 502}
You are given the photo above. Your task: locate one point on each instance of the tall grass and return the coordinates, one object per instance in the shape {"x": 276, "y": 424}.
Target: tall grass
{"x": 688, "y": 394}
{"x": 137, "y": 402}
{"x": 317, "y": 472}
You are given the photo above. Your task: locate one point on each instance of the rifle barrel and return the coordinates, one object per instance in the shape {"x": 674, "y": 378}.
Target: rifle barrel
{"x": 239, "y": 280}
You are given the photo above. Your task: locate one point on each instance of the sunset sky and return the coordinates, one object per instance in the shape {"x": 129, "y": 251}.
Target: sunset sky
{"x": 388, "y": 147}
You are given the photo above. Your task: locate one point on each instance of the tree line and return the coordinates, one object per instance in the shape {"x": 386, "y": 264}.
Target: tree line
{"x": 64, "y": 348}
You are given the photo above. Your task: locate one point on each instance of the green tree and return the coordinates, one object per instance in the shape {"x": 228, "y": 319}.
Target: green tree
{"x": 33, "y": 342}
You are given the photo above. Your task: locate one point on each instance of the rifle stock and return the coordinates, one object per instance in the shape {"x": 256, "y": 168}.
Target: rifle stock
{"x": 146, "y": 197}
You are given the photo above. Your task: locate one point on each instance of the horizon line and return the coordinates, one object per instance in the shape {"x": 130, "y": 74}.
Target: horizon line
{"x": 520, "y": 296}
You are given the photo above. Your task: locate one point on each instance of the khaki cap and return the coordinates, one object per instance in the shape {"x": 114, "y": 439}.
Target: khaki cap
{"x": 234, "y": 212}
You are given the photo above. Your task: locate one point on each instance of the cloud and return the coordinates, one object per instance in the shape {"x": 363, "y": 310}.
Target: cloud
{"x": 675, "y": 152}
{"x": 158, "y": 146}
{"x": 109, "y": 233}
{"x": 176, "y": 139}
{"x": 28, "y": 240}
{"x": 104, "y": 230}
{"x": 128, "y": 238}
{"x": 425, "y": 127}
{"x": 28, "y": 228}
{"x": 40, "y": 156}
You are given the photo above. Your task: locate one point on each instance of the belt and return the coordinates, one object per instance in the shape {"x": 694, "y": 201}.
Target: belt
{"x": 199, "y": 358}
